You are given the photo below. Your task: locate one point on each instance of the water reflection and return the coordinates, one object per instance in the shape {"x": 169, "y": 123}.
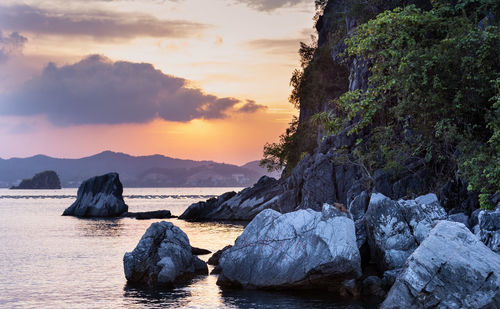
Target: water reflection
{"x": 99, "y": 227}
{"x": 150, "y": 298}
{"x": 270, "y": 299}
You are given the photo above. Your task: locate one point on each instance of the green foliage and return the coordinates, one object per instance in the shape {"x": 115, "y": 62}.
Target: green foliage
{"x": 434, "y": 91}
{"x": 287, "y": 152}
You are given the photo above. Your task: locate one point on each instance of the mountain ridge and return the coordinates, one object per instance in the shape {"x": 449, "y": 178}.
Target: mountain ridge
{"x": 135, "y": 171}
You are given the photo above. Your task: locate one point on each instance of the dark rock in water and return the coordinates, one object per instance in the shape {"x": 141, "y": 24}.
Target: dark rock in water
{"x": 214, "y": 259}
{"x": 450, "y": 269}
{"x": 99, "y": 196}
{"x": 156, "y": 214}
{"x": 304, "y": 249}
{"x": 199, "y": 251}
{"x": 489, "y": 228}
{"x": 43, "y": 180}
{"x": 395, "y": 229}
{"x": 201, "y": 211}
{"x": 242, "y": 206}
{"x": 162, "y": 258}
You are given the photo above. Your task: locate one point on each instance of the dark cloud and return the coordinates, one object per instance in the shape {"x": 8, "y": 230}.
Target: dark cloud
{"x": 95, "y": 24}
{"x": 251, "y": 107}
{"x": 99, "y": 91}
{"x": 10, "y": 44}
{"x": 269, "y": 5}
{"x": 286, "y": 46}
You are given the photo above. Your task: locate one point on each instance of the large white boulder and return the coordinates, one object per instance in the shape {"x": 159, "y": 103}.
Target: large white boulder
{"x": 450, "y": 269}
{"x": 396, "y": 228}
{"x": 301, "y": 249}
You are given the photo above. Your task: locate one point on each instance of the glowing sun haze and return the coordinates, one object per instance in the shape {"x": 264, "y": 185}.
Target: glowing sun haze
{"x": 190, "y": 79}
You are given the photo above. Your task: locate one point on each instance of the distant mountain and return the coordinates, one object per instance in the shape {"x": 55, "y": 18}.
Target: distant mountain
{"x": 254, "y": 166}
{"x": 141, "y": 171}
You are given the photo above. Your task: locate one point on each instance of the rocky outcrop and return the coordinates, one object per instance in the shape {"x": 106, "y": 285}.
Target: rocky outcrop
{"x": 43, "y": 180}
{"x": 99, "y": 196}
{"x": 162, "y": 258}
{"x": 396, "y": 228}
{"x": 144, "y": 215}
{"x": 450, "y": 269}
{"x": 242, "y": 206}
{"x": 299, "y": 250}
{"x": 489, "y": 228}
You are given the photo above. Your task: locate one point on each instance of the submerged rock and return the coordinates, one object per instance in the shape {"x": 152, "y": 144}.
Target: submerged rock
{"x": 300, "y": 250}
{"x": 99, "y": 196}
{"x": 396, "y": 228}
{"x": 200, "y": 251}
{"x": 156, "y": 214}
{"x": 43, "y": 180}
{"x": 162, "y": 257}
{"x": 450, "y": 269}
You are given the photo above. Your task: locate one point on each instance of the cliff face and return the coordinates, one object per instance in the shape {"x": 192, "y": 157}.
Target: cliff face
{"x": 44, "y": 180}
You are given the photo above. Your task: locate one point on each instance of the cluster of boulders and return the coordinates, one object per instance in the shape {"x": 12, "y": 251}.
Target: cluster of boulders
{"x": 421, "y": 257}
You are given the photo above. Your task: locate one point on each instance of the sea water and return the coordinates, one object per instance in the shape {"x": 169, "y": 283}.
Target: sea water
{"x": 51, "y": 261}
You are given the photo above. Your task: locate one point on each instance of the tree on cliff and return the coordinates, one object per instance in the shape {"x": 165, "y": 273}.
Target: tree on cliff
{"x": 434, "y": 91}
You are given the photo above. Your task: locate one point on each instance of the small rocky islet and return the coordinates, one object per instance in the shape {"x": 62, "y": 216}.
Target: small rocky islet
{"x": 47, "y": 180}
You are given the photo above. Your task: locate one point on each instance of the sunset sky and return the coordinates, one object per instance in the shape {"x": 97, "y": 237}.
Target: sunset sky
{"x": 190, "y": 79}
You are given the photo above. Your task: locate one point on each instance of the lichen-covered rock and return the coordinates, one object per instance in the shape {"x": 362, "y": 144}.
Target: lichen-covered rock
{"x": 162, "y": 257}
{"x": 396, "y": 228}
{"x": 99, "y": 196}
{"x": 450, "y": 269}
{"x": 301, "y": 249}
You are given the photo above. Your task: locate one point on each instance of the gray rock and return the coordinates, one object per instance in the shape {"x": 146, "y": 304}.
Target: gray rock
{"x": 357, "y": 207}
{"x": 302, "y": 249}
{"x": 450, "y": 269}
{"x": 373, "y": 286}
{"x": 162, "y": 257}
{"x": 242, "y": 206}
{"x": 460, "y": 217}
{"x": 489, "y": 229}
{"x": 99, "y": 196}
{"x": 382, "y": 182}
{"x": 395, "y": 229}
{"x": 201, "y": 211}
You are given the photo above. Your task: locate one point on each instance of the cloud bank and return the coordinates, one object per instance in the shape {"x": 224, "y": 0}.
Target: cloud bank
{"x": 97, "y": 90}
{"x": 10, "y": 44}
{"x": 96, "y": 24}
{"x": 269, "y": 5}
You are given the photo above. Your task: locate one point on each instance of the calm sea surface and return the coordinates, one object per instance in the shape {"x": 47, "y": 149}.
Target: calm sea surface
{"x": 50, "y": 261}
